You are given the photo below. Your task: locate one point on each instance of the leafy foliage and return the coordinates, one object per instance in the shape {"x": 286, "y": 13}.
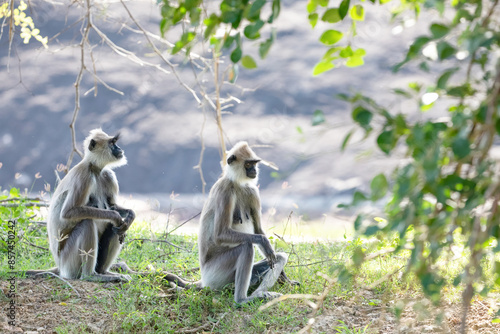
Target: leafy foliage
{"x": 224, "y": 27}
{"x": 445, "y": 197}
{"x": 337, "y": 54}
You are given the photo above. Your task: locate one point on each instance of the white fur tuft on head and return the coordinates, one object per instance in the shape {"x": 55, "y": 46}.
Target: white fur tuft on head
{"x": 236, "y": 157}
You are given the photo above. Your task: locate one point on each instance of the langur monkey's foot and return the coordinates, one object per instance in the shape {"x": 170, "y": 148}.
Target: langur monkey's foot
{"x": 258, "y": 296}
{"x": 108, "y": 277}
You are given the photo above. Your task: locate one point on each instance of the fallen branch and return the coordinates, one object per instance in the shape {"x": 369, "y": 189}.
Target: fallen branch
{"x": 29, "y": 204}
{"x": 36, "y": 246}
{"x": 21, "y": 199}
{"x": 157, "y": 240}
{"x": 62, "y": 279}
{"x": 194, "y": 330}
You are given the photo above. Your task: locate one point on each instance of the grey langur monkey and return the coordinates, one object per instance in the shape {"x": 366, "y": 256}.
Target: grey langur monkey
{"x": 231, "y": 226}
{"x": 86, "y": 227}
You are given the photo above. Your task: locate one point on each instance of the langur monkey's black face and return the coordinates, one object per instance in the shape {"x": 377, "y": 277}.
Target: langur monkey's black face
{"x": 251, "y": 168}
{"x": 115, "y": 149}
{"x": 109, "y": 144}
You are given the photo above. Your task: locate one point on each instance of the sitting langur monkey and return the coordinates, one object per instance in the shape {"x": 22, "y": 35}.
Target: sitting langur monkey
{"x": 86, "y": 227}
{"x": 231, "y": 226}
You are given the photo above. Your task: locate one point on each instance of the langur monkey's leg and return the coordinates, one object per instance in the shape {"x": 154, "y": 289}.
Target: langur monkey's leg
{"x": 108, "y": 249}
{"x": 236, "y": 265}
{"x": 78, "y": 255}
{"x": 262, "y": 272}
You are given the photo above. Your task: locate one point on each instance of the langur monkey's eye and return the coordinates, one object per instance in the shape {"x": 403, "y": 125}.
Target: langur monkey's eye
{"x": 248, "y": 165}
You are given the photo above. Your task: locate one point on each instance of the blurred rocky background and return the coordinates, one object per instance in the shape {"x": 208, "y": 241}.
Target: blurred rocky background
{"x": 163, "y": 126}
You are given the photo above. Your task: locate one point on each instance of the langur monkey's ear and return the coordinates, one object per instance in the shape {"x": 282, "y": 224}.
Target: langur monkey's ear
{"x": 92, "y": 144}
{"x": 231, "y": 159}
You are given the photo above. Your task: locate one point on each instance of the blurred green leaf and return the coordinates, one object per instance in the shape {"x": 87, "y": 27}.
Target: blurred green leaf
{"x": 343, "y": 8}
{"x": 443, "y": 79}
{"x": 445, "y": 50}
{"x": 236, "y": 55}
{"x": 439, "y": 30}
{"x": 313, "y": 19}
{"x": 461, "y": 147}
{"x": 386, "y": 141}
{"x": 331, "y": 15}
{"x": 357, "y": 13}
{"x": 354, "y": 61}
{"x": 248, "y": 62}
{"x": 322, "y": 66}
{"x": 318, "y": 117}
{"x": 363, "y": 117}
{"x": 378, "y": 187}
{"x": 331, "y": 37}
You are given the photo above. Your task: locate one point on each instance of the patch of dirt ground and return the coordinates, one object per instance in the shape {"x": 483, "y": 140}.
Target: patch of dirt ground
{"x": 42, "y": 305}
{"x": 416, "y": 317}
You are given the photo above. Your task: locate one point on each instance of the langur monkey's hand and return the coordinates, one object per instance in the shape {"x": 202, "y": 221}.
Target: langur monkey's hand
{"x": 128, "y": 218}
{"x": 268, "y": 251}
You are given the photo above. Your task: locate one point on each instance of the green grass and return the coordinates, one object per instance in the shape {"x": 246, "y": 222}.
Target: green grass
{"x": 148, "y": 305}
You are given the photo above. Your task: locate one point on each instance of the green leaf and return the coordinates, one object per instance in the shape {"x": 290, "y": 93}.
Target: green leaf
{"x": 254, "y": 12}
{"x": 233, "y": 73}
{"x": 439, "y": 30}
{"x": 346, "y": 140}
{"x": 331, "y": 15}
{"x": 354, "y": 61}
{"x": 358, "y": 222}
{"x": 265, "y": 46}
{"x": 386, "y": 141}
{"x": 357, "y": 13}
{"x": 445, "y": 50}
{"x": 461, "y": 147}
{"x": 358, "y": 197}
{"x": 363, "y": 117}
{"x": 323, "y": 3}
{"x": 312, "y": 5}
{"x": 330, "y": 37}
{"x": 346, "y": 52}
{"x": 322, "y": 66}
{"x": 248, "y": 62}
{"x": 402, "y": 92}
{"x": 343, "y": 8}
{"x": 313, "y": 19}
{"x": 251, "y": 31}
{"x": 275, "y": 11}
{"x": 318, "y": 117}
{"x": 164, "y": 26}
{"x": 211, "y": 23}
{"x": 236, "y": 55}
{"x": 379, "y": 187}
{"x": 443, "y": 79}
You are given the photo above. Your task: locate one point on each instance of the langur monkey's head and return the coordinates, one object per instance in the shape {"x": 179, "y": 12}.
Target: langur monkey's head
{"x": 242, "y": 164}
{"x": 101, "y": 150}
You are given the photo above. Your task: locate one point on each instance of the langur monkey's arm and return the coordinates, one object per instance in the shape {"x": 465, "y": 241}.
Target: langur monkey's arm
{"x": 225, "y": 235}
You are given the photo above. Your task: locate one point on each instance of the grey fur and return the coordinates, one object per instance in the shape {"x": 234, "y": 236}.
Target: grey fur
{"x": 230, "y": 227}
{"x": 82, "y": 207}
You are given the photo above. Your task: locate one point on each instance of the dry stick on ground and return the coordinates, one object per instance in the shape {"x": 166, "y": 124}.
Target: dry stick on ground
{"x": 62, "y": 279}
{"x": 194, "y": 330}
{"x": 158, "y": 240}
{"x": 21, "y": 199}
{"x": 36, "y": 246}
{"x": 15, "y": 205}
{"x": 315, "y": 306}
